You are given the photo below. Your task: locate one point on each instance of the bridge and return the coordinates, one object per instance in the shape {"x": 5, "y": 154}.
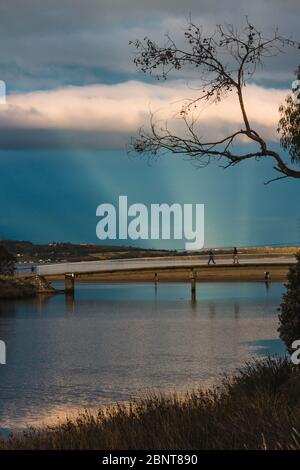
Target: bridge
{"x": 190, "y": 265}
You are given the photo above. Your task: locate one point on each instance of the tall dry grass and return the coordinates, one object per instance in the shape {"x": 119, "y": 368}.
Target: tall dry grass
{"x": 258, "y": 408}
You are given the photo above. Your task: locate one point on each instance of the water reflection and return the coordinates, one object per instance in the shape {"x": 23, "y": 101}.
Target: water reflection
{"x": 267, "y": 285}
{"x": 267, "y": 347}
{"x": 70, "y": 302}
{"x": 113, "y": 341}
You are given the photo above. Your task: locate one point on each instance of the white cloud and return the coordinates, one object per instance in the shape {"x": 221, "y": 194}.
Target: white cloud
{"x": 122, "y": 108}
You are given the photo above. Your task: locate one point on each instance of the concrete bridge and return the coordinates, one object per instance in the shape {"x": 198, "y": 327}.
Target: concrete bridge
{"x": 190, "y": 265}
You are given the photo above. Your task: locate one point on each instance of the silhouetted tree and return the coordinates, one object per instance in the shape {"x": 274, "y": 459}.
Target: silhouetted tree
{"x": 7, "y": 262}
{"x": 225, "y": 61}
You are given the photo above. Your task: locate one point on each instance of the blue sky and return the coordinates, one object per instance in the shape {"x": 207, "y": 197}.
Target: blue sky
{"x": 75, "y": 98}
{"x": 53, "y": 196}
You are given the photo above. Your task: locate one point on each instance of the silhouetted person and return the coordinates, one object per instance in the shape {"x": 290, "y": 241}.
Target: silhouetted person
{"x": 211, "y": 257}
{"x": 32, "y": 269}
{"x": 235, "y": 256}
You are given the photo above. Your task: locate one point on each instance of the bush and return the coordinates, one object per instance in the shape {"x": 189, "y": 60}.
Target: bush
{"x": 7, "y": 262}
{"x": 289, "y": 319}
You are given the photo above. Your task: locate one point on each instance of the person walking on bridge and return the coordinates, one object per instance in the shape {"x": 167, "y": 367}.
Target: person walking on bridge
{"x": 235, "y": 256}
{"x": 211, "y": 257}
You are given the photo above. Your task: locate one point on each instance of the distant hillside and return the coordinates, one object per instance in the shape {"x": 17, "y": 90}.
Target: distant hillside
{"x": 25, "y": 251}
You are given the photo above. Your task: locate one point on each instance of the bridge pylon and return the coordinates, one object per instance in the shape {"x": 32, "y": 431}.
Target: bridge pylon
{"x": 69, "y": 283}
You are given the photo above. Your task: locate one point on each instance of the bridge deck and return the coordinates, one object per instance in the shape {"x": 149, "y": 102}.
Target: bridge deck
{"x": 150, "y": 264}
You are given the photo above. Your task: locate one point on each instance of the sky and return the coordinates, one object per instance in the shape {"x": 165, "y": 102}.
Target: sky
{"x": 75, "y": 98}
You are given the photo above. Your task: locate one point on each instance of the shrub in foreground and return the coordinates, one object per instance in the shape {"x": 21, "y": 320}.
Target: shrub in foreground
{"x": 289, "y": 319}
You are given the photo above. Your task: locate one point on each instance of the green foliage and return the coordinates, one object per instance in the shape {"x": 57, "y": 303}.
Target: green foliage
{"x": 289, "y": 328}
{"x": 289, "y": 126}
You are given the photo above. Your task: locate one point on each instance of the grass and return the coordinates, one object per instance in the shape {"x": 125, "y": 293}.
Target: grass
{"x": 258, "y": 408}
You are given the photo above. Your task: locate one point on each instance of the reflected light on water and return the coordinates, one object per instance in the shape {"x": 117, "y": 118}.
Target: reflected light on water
{"x": 112, "y": 342}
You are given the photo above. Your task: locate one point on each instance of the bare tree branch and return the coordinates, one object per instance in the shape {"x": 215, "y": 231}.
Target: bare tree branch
{"x": 275, "y": 179}
{"x": 225, "y": 61}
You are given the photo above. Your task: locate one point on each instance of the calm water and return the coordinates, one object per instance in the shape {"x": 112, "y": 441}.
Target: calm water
{"x": 116, "y": 341}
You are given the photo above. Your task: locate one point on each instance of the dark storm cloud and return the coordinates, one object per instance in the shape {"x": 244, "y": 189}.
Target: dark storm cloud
{"x": 48, "y": 44}
{"x": 54, "y": 139}
{"x": 23, "y": 16}
{"x": 43, "y": 43}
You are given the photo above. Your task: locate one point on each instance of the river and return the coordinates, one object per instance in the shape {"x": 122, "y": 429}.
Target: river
{"x": 112, "y": 342}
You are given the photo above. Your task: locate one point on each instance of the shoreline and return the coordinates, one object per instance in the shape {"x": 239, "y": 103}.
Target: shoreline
{"x": 161, "y": 420}
{"x": 15, "y": 287}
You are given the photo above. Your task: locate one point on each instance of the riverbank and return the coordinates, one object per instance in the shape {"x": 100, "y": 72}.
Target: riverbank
{"x": 12, "y": 287}
{"x": 259, "y": 408}
{"x": 29, "y": 253}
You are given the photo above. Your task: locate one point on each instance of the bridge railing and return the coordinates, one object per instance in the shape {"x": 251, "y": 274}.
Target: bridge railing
{"x": 63, "y": 268}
